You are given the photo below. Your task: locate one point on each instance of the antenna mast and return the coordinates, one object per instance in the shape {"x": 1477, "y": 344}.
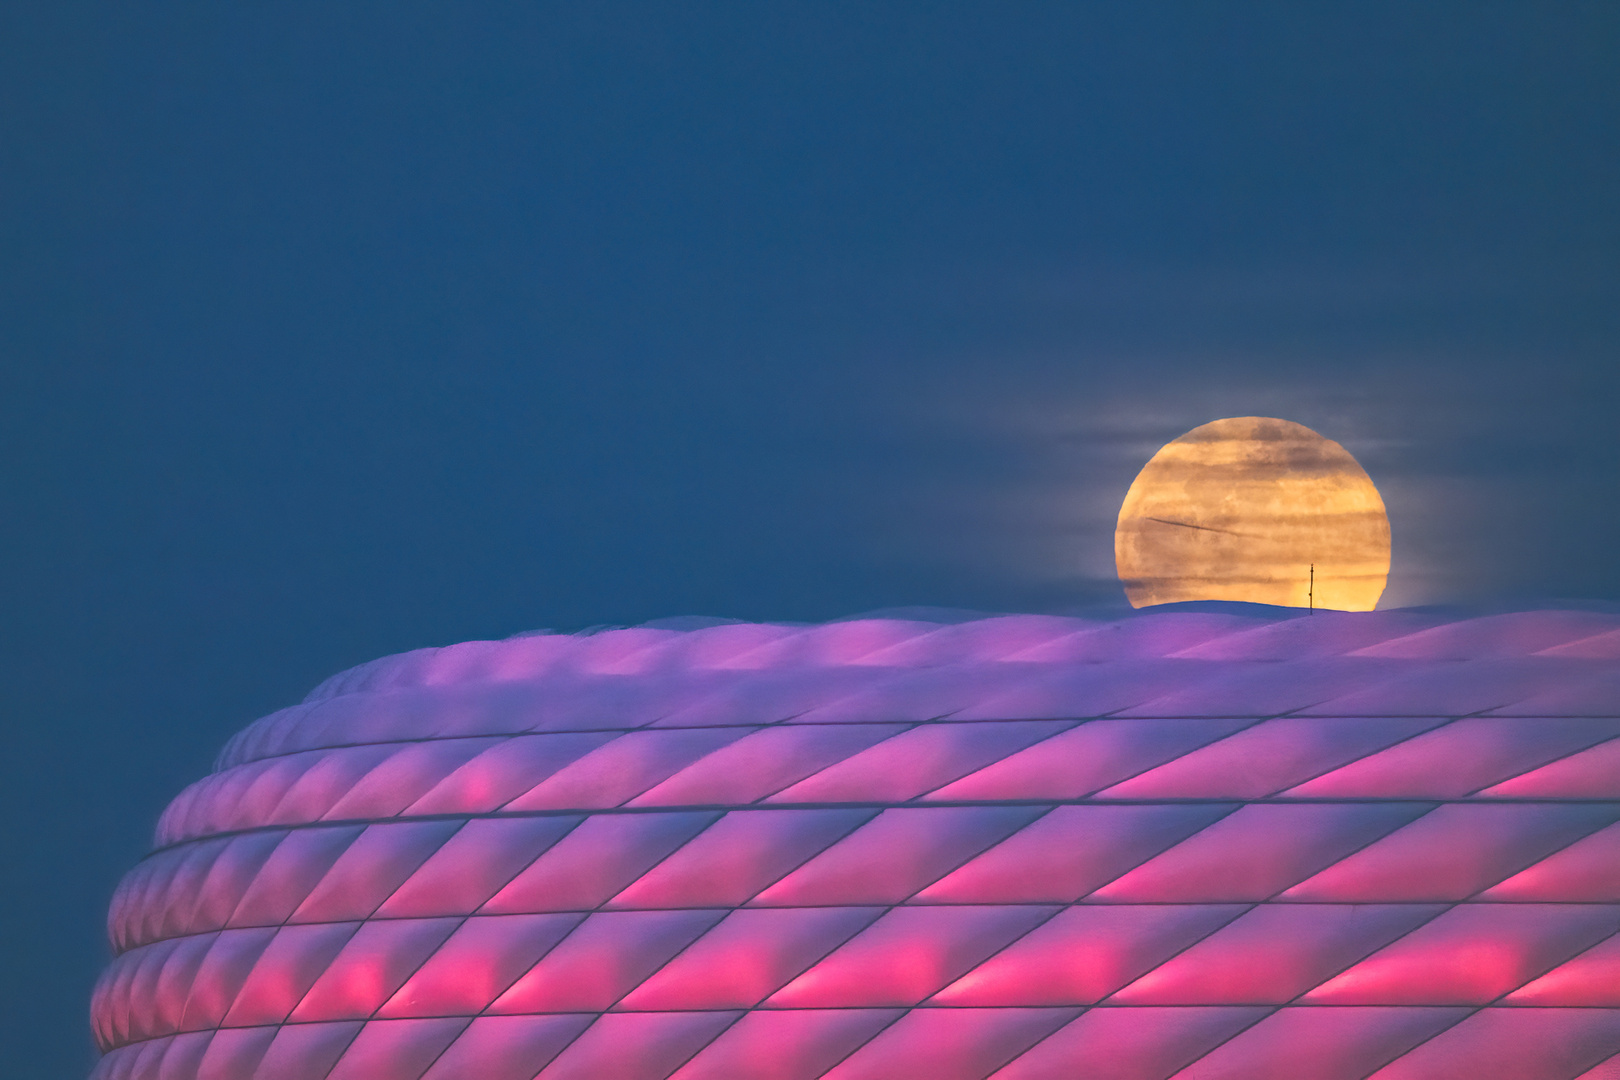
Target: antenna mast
{"x": 1310, "y": 592}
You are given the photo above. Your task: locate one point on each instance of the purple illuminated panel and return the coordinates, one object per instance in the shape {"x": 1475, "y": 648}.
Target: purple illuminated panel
{"x": 1176, "y": 847}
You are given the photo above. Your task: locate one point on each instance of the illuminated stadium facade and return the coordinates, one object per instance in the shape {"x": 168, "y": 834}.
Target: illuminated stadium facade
{"x": 1184, "y": 844}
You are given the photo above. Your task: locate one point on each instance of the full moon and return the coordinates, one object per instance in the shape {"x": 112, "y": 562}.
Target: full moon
{"x": 1257, "y": 509}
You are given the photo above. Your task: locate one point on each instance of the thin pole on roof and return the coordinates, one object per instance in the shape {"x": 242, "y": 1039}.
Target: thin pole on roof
{"x": 1310, "y": 592}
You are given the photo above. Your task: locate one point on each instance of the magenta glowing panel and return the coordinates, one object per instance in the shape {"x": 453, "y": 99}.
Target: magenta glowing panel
{"x": 1182, "y": 845}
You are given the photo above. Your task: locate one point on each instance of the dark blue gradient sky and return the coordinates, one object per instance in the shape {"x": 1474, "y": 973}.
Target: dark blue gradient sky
{"x": 331, "y": 330}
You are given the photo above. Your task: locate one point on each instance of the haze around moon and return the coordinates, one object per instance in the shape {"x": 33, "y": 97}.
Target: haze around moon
{"x": 1241, "y": 509}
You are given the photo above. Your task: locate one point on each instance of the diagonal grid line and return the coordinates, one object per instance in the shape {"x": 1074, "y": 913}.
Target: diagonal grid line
{"x": 1553, "y": 761}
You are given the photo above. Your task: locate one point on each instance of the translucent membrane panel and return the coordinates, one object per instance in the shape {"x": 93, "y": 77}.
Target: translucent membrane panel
{"x": 101, "y": 1007}
{"x": 1576, "y": 694}
{"x": 739, "y": 855}
{"x": 747, "y": 957}
{"x": 763, "y": 763}
{"x": 506, "y": 1047}
{"x": 979, "y": 639}
{"x": 171, "y": 1057}
{"x": 846, "y": 642}
{"x": 621, "y": 769}
{"x": 474, "y": 864}
{"x": 142, "y": 1012}
{"x": 1471, "y": 955}
{"x": 1608, "y": 1069}
{"x": 1274, "y": 953}
{"x": 124, "y": 912}
{"x": 140, "y": 903}
{"x": 1324, "y": 634}
{"x": 1252, "y": 690}
{"x": 1068, "y": 853}
{"x": 504, "y": 771}
{"x": 1587, "y": 774}
{"x": 167, "y": 996}
{"x": 1257, "y": 852}
{"x": 509, "y": 706}
{"x": 896, "y": 854}
{"x": 183, "y": 1057}
{"x": 290, "y": 873}
{"x": 267, "y": 735}
{"x": 917, "y": 761}
{"x": 368, "y": 872}
{"x": 283, "y": 973}
{"x": 769, "y": 696}
{"x": 141, "y": 1060}
{"x": 166, "y": 905}
{"x": 221, "y": 975}
{"x": 950, "y": 1044}
{"x": 1459, "y": 758}
{"x": 381, "y": 716}
{"x": 372, "y": 964}
{"x": 403, "y": 777}
{"x": 328, "y": 777}
{"x": 114, "y": 1005}
{"x": 1518, "y": 633}
{"x": 931, "y": 693}
{"x": 1445, "y": 688}
{"x": 620, "y": 701}
{"x": 1083, "y": 954}
{"x": 1265, "y": 759}
{"x": 1588, "y": 869}
{"x": 145, "y": 1060}
{"x": 1526, "y": 1044}
{"x": 171, "y": 824}
{"x": 1128, "y": 1044}
{"x": 724, "y": 646}
{"x": 1086, "y": 759}
{"x": 477, "y": 964}
{"x": 1320, "y": 1044}
{"x": 235, "y": 1053}
{"x": 306, "y": 1051}
{"x": 987, "y": 638}
{"x": 636, "y": 649}
{"x": 1604, "y": 646}
{"x": 1592, "y": 978}
{"x": 395, "y": 1049}
{"x": 603, "y": 959}
{"x": 596, "y": 860}
{"x": 221, "y": 892}
{"x": 187, "y": 817}
{"x": 1454, "y": 852}
{"x": 636, "y": 1046}
{"x": 1151, "y": 635}
{"x": 1081, "y": 690}
{"x": 250, "y": 798}
{"x": 908, "y": 955}
{"x": 799, "y": 1044}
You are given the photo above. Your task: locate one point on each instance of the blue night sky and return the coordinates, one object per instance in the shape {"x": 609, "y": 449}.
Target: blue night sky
{"x": 329, "y": 330}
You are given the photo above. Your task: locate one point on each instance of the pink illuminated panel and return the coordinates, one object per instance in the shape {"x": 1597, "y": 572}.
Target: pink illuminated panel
{"x": 907, "y": 955}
